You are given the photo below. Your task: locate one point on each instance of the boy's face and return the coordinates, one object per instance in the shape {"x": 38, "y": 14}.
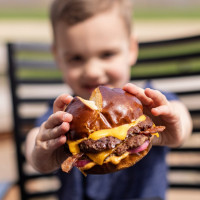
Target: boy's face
{"x": 95, "y": 52}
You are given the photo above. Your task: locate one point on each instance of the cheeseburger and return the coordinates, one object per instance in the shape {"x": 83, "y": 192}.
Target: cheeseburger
{"x": 109, "y": 132}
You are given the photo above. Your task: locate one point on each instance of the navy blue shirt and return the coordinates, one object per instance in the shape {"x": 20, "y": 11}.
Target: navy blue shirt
{"x": 145, "y": 179}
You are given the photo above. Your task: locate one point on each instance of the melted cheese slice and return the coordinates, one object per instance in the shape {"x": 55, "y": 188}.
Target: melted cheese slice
{"x": 118, "y": 132}
{"x": 87, "y": 166}
{"x": 113, "y": 159}
{"x": 100, "y": 157}
{"x": 73, "y": 145}
{"x": 156, "y": 134}
{"x": 116, "y": 159}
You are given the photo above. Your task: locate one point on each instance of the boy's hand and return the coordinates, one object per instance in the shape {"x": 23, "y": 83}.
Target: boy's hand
{"x": 172, "y": 114}
{"x": 48, "y": 152}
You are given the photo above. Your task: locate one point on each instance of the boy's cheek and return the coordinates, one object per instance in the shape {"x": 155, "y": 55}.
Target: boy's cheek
{"x": 120, "y": 72}
{"x": 70, "y": 74}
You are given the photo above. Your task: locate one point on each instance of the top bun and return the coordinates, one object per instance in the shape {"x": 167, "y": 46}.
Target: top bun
{"x": 106, "y": 108}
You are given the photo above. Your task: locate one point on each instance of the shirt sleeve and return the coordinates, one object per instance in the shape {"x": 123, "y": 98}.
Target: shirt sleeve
{"x": 46, "y": 115}
{"x": 169, "y": 95}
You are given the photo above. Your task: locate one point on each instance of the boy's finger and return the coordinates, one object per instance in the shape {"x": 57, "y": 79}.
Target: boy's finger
{"x": 157, "y": 97}
{"x": 54, "y": 143}
{"x": 56, "y": 132}
{"x": 57, "y": 118}
{"x": 161, "y": 110}
{"x": 139, "y": 93}
{"x": 61, "y": 102}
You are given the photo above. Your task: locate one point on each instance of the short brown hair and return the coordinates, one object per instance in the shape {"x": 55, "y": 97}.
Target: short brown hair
{"x": 74, "y": 11}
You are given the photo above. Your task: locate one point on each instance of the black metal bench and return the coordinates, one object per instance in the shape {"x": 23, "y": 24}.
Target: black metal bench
{"x": 35, "y": 80}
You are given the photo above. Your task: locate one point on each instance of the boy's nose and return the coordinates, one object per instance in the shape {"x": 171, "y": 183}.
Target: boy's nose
{"x": 93, "y": 69}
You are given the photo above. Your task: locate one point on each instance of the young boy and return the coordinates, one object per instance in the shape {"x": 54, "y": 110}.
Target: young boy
{"x": 93, "y": 46}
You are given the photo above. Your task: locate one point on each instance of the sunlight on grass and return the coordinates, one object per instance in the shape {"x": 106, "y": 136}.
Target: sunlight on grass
{"x": 180, "y": 49}
{"x": 42, "y": 74}
{"x": 139, "y": 13}
{"x": 166, "y": 68}
{"x": 23, "y": 14}
{"x": 27, "y": 55}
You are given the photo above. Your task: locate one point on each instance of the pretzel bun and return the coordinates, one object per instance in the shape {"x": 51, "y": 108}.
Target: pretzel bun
{"x": 107, "y": 108}
{"x": 101, "y": 131}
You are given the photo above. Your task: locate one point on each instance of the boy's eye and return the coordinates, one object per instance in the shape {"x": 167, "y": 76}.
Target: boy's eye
{"x": 107, "y": 54}
{"x": 76, "y": 59}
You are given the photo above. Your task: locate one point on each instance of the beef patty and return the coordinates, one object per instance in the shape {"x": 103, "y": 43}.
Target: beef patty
{"x": 133, "y": 139}
{"x": 136, "y": 136}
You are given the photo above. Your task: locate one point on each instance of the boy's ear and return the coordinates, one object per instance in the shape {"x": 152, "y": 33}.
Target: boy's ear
{"x": 134, "y": 48}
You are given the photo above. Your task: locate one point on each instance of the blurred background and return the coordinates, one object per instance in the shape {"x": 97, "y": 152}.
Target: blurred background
{"x": 27, "y": 21}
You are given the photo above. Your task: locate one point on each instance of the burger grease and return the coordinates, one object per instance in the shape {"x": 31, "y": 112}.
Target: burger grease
{"x": 109, "y": 132}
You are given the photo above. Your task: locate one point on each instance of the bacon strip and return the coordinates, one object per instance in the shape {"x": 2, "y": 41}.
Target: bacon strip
{"x": 69, "y": 163}
{"x": 153, "y": 130}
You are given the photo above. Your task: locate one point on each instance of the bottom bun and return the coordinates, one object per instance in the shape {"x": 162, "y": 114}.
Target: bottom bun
{"x": 128, "y": 161}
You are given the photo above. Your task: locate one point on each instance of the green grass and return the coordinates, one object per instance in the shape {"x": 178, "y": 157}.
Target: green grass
{"x": 168, "y": 50}
{"x": 41, "y": 74}
{"x": 42, "y": 56}
{"x": 23, "y": 14}
{"x": 144, "y": 13}
{"x": 166, "y": 68}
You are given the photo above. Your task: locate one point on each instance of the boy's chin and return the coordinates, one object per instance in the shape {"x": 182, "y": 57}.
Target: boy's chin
{"x": 89, "y": 89}
{"x": 84, "y": 92}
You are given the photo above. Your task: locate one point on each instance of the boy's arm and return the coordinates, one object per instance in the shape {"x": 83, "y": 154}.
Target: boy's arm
{"x": 44, "y": 148}
{"x": 186, "y": 120}
{"x": 30, "y": 144}
{"x": 179, "y": 130}
{"x": 172, "y": 114}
